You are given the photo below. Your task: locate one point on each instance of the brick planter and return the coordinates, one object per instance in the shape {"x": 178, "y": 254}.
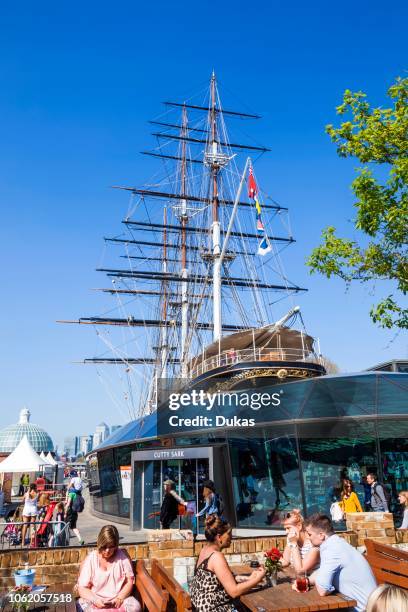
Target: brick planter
{"x": 378, "y": 526}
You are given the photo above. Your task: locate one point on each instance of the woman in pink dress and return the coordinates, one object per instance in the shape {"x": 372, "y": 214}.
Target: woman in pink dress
{"x": 106, "y": 578}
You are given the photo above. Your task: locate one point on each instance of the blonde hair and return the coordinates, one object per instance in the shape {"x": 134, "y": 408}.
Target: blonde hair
{"x": 108, "y": 537}
{"x": 294, "y": 517}
{"x": 405, "y": 495}
{"x": 44, "y": 499}
{"x": 387, "y": 598}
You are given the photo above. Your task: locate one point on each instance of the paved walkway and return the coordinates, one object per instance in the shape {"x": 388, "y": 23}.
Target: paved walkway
{"x": 89, "y": 527}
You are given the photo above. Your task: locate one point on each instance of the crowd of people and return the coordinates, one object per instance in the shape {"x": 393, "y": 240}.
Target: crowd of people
{"x": 377, "y": 498}
{"x": 312, "y": 547}
{"x": 38, "y": 508}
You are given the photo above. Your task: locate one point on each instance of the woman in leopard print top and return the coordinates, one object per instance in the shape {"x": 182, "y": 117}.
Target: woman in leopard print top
{"x": 214, "y": 585}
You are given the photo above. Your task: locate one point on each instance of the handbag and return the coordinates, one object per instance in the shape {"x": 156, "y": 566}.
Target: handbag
{"x": 181, "y": 510}
{"x": 336, "y": 512}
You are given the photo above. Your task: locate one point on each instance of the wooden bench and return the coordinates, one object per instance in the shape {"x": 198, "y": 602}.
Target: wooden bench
{"x": 153, "y": 598}
{"x": 179, "y": 599}
{"x": 389, "y": 564}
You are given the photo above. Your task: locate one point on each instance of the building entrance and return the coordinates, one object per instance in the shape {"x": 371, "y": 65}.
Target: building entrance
{"x": 188, "y": 468}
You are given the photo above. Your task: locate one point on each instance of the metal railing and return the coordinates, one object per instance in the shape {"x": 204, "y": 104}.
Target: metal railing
{"x": 232, "y": 357}
{"x": 56, "y": 533}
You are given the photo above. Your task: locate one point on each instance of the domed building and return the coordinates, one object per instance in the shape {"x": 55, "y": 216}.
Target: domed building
{"x": 11, "y": 436}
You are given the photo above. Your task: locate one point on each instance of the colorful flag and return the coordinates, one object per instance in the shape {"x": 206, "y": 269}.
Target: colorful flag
{"x": 259, "y": 225}
{"x": 264, "y": 246}
{"x": 257, "y": 205}
{"x": 252, "y": 186}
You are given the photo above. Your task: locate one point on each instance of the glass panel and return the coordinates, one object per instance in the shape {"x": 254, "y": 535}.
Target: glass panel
{"x": 122, "y": 458}
{"x": 109, "y": 480}
{"x": 393, "y": 437}
{"x": 94, "y": 484}
{"x": 392, "y": 394}
{"x": 265, "y": 478}
{"x": 188, "y": 489}
{"x": 327, "y": 459}
{"x": 137, "y": 468}
{"x": 152, "y": 494}
{"x": 341, "y": 396}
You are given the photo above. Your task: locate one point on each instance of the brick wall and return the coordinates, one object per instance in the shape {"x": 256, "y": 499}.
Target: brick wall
{"x": 175, "y": 549}
{"x": 53, "y": 565}
{"x": 378, "y": 526}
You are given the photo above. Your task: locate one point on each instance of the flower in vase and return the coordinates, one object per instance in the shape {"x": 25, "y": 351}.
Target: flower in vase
{"x": 273, "y": 560}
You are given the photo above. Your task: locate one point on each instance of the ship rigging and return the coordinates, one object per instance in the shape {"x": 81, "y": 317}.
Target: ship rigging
{"x": 204, "y": 269}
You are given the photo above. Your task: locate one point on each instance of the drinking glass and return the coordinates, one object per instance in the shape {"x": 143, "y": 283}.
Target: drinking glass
{"x": 302, "y": 583}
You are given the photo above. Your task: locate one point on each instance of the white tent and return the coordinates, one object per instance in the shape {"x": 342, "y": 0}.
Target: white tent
{"x": 22, "y": 459}
{"x": 42, "y": 455}
{"x": 50, "y": 459}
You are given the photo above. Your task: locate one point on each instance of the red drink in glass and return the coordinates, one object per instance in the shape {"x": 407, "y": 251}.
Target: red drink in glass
{"x": 302, "y": 584}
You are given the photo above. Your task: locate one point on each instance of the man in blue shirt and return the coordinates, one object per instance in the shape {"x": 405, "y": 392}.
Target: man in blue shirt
{"x": 342, "y": 567}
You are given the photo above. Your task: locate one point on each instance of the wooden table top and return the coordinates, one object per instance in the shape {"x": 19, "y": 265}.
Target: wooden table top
{"x": 282, "y": 598}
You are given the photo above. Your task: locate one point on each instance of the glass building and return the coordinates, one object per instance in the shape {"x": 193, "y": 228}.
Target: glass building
{"x": 12, "y": 435}
{"x": 327, "y": 428}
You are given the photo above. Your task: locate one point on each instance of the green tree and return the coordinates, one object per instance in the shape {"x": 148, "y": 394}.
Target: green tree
{"x": 378, "y": 138}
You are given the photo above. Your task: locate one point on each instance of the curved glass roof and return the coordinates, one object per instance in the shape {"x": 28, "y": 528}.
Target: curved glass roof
{"x": 146, "y": 427}
{"x": 366, "y": 394}
{"x": 11, "y": 436}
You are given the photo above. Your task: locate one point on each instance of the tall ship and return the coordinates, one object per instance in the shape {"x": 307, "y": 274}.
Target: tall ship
{"x": 201, "y": 287}
{"x": 197, "y": 293}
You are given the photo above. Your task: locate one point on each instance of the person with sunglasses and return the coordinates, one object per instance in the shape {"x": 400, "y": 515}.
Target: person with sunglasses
{"x": 299, "y": 553}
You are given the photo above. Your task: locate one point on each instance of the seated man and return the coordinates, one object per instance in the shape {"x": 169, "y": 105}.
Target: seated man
{"x": 342, "y": 567}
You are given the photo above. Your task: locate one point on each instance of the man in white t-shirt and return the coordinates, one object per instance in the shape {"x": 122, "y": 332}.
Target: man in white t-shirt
{"x": 76, "y": 483}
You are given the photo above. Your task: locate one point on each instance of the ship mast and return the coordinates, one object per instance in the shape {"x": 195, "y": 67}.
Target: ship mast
{"x": 164, "y": 341}
{"x": 215, "y": 228}
{"x": 184, "y": 271}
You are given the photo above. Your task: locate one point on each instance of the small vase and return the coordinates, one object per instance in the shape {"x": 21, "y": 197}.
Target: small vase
{"x": 274, "y": 578}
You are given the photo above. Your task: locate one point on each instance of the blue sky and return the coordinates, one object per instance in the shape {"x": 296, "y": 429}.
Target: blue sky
{"x": 79, "y": 82}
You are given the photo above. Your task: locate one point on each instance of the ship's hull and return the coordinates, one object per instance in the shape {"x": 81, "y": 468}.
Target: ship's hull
{"x": 256, "y": 373}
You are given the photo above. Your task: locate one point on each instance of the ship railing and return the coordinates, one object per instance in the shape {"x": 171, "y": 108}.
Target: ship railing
{"x": 233, "y": 357}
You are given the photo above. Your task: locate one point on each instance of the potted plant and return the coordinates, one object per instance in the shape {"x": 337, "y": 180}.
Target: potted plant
{"x": 19, "y": 597}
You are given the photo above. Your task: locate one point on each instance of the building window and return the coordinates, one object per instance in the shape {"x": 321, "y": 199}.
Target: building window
{"x": 265, "y": 476}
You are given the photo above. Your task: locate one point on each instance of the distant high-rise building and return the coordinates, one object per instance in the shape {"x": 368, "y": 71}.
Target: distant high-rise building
{"x": 85, "y": 444}
{"x": 101, "y": 433}
{"x": 114, "y": 428}
{"x": 71, "y": 446}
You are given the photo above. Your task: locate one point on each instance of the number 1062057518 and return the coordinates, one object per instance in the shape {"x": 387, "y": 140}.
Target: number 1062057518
{"x": 28, "y": 598}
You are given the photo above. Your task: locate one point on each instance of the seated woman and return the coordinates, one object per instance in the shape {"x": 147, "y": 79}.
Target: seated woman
{"x": 106, "y": 577}
{"x": 299, "y": 552}
{"x": 214, "y": 585}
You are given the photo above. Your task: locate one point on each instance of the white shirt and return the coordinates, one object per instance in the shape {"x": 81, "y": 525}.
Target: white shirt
{"x": 77, "y": 483}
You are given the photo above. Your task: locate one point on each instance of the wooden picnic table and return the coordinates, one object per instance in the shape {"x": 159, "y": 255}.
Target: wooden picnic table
{"x": 282, "y": 598}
